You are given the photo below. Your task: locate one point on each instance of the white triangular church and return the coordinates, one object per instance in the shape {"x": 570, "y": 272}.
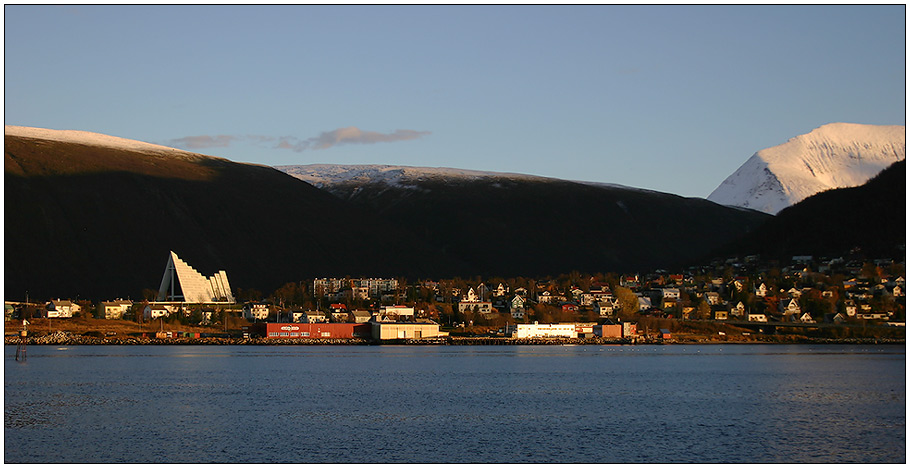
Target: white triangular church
{"x": 182, "y": 283}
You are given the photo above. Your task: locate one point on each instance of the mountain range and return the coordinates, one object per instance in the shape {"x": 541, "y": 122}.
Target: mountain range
{"x": 836, "y": 155}
{"x": 95, "y": 216}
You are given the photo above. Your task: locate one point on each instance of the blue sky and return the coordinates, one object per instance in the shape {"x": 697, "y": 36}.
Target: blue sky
{"x": 669, "y": 98}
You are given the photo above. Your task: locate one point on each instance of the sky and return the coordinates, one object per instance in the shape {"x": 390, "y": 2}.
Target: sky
{"x": 667, "y": 98}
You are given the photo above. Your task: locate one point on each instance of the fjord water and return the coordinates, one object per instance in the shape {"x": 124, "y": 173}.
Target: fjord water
{"x": 439, "y": 404}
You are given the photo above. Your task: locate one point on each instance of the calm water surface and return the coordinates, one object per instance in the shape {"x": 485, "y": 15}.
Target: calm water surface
{"x": 439, "y": 404}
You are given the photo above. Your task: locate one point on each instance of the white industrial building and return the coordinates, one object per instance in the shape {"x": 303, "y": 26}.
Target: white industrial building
{"x": 542, "y": 330}
{"x": 182, "y": 283}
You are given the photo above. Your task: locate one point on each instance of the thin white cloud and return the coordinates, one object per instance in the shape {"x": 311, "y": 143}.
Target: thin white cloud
{"x": 325, "y": 140}
{"x": 203, "y": 141}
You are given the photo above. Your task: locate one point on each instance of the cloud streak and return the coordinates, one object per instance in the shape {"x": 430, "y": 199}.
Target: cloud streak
{"x": 203, "y": 141}
{"x": 325, "y": 140}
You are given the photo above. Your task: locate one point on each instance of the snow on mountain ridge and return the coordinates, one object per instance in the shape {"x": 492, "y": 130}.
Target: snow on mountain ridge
{"x": 832, "y": 156}
{"x": 327, "y": 175}
{"x": 97, "y": 139}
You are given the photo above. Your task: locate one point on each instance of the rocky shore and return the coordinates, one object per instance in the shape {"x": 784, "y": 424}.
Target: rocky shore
{"x": 67, "y": 339}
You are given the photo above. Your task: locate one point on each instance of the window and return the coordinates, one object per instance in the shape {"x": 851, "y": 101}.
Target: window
{"x": 273, "y": 333}
{"x": 283, "y": 334}
{"x": 326, "y": 334}
{"x": 304, "y": 333}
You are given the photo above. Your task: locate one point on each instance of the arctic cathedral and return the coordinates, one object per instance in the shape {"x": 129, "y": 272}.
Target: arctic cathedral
{"x": 182, "y": 283}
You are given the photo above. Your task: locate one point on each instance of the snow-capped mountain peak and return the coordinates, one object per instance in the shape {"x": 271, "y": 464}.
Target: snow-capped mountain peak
{"x": 836, "y": 155}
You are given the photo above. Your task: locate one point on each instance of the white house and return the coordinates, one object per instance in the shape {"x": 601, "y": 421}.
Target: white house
{"x": 61, "y": 309}
{"x": 314, "y": 316}
{"x": 761, "y": 290}
{"x": 256, "y": 310}
{"x": 806, "y": 318}
{"x": 757, "y": 318}
{"x": 739, "y": 310}
{"x": 114, "y": 310}
{"x": 644, "y": 303}
{"x": 604, "y": 308}
{"x": 153, "y": 311}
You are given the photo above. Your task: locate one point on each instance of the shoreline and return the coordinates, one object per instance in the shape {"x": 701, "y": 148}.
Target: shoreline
{"x": 76, "y": 340}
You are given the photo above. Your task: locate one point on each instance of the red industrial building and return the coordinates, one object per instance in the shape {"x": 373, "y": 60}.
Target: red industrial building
{"x": 309, "y": 330}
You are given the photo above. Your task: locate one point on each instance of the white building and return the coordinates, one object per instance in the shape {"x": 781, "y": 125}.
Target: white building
{"x": 542, "y": 330}
{"x": 114, "y": 310}
{"x": 182, "y": 283}
{"x": 61, "y": 309}
{"x": 153, "y": 311}
{"x": 670, "y": 294}
{"x": 256, "y": 311}
{"x": 398, "y": 312}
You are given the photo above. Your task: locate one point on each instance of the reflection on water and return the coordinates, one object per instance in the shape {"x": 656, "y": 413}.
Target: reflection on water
{"x": 410, "y": 404}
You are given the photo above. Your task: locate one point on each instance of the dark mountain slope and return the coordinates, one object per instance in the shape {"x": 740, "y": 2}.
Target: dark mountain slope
{"x": 871, "y": 217}
{"x": 98, "y": 222}
{"x": 513, "y": 226}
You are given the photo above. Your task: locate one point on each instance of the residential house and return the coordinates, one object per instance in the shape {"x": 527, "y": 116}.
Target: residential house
{"x": 670, "y": 294}
{"x": 757, "y": 318}
{"x": 835, "y": 318}
{"x": 644, "y": 303}
{"x": 360, "y": 316}
{"x": 806, "y": 318}
{"x": 313, "y": 316}
{"x": 114, "y": 310}
{"x": 153, "y": 311}
{"x": 850, "y": 308}
{"x": 712, "y": 298}
{"x": 297, "y": 316}
{"x": 62, "y": 309}
{"x": 568, "y": 307}
{"x": 761, "y": 290}
{"x": 790, "y": 307}
{"x": 604, "y": 308}
{"x": 517, "y": 307}
{"x": 256, "y": 310}
{"x": 739, "y": 310}
{"x": 720, "y": 313}
{"x": 500, "y": 290}
{"x": 586, "y": 299}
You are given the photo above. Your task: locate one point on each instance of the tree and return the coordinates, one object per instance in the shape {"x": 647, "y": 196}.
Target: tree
{"x": 628, "y": 302}
{"x": 703, "y": 311}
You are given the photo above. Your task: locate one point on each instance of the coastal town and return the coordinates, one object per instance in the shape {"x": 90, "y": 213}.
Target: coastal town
{"x": 735, "y": 299}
